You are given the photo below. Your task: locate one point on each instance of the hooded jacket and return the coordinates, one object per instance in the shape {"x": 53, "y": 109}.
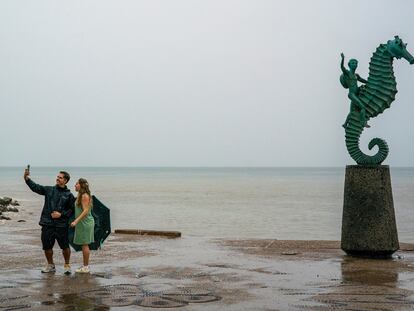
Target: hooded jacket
{"x": 56, "y": 199}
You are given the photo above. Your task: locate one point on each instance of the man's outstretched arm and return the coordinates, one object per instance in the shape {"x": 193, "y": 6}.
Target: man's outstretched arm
{"x": 39, "y": 189}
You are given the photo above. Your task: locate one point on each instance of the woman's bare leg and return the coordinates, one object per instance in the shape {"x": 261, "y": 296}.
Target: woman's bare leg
{"x": 85, "y": 252}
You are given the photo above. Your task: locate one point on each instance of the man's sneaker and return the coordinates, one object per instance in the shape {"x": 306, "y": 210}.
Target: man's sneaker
{"x": 66, "y": 269}
{"x": 50, "y": 268}
{"x": 84, "y": 269}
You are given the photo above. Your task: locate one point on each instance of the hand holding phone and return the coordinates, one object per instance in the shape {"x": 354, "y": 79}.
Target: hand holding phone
{"x": 27, "y": 172}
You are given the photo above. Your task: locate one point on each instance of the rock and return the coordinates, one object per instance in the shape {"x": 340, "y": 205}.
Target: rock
{"x": 21, "y": 220}
{"x": 5, "y": 217}
{"x": 12, "y": 209}
{"x": 5, "y": 201}
{"x": 289, "y": 253}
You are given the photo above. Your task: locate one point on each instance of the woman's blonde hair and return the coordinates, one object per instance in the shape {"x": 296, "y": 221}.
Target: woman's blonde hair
{"x": 84, "y": 188}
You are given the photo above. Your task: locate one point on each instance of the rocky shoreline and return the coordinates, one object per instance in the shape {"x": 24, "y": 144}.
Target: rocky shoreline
{"x": 7, "y": 205}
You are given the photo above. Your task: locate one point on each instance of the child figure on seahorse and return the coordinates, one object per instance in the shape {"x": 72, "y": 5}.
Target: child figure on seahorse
{"x": 349, "y": 80}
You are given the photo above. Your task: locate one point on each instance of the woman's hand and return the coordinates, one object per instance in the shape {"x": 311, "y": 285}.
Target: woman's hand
{"x": 73, "y": 224}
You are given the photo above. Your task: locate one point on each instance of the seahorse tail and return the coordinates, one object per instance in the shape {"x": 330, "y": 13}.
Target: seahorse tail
{"x": 382, "y": 152}
{"x": 352, "y": 134}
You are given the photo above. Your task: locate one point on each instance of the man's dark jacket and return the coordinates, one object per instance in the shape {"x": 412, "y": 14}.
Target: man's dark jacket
{"x": 56, "y": 199}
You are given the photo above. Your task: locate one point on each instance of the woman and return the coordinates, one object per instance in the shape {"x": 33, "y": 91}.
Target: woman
{"x": 84, "y": 223}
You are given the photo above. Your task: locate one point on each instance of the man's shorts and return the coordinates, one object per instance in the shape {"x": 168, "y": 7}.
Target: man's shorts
{"x": 51, "y": 234}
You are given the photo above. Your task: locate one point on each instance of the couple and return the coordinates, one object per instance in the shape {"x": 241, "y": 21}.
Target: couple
{"x": 58, "y": 208}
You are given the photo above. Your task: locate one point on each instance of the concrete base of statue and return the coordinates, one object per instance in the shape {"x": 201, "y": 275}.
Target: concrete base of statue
{"x": 368, "y": 221}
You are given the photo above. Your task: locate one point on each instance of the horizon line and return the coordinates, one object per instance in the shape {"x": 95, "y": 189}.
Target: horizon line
{"x": 132, "y": 166}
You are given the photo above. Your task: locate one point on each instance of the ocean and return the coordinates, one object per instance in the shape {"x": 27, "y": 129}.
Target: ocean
{"x": 276, "y": 203}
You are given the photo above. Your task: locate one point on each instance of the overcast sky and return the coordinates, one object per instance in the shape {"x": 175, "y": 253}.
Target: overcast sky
{"x": 193, "y": 83}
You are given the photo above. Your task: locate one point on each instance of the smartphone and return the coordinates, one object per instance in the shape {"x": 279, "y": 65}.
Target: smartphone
{"x": 28, "y": 168}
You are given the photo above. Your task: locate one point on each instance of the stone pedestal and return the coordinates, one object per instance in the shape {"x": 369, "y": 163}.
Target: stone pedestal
{"x": 368, "y": 220}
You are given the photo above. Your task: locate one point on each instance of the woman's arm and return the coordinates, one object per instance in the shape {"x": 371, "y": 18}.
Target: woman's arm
{"x": 85, "y": 203}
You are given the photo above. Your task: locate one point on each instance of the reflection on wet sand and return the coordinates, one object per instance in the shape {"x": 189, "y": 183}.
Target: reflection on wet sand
{"x": 67, "y": 291}
{"x": 370, "y": 272}
{"x": 367, "y": 284}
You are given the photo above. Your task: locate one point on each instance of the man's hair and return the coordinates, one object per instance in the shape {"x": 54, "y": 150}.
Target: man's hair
{"x": 65, "y": 175}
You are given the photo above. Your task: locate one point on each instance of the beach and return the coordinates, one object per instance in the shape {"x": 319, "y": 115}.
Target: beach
{"x": 134, "y": 272}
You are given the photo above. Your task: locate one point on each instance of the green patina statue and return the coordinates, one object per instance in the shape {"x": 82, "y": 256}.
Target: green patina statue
{"x": 349, "y": 80}
{"x": 371, "y": 99}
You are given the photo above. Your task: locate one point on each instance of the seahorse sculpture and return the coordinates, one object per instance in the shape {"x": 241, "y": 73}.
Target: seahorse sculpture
{"x": 371, "y": 99}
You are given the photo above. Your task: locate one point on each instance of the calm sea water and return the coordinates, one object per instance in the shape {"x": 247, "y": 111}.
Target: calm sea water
{"x": 281, "y": 203}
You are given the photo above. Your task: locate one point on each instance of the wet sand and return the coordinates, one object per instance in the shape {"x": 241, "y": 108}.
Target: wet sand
{"x": 193, "y": 273}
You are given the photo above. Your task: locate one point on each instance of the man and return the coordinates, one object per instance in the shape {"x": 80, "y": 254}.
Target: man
{"x": 57, "y": 209}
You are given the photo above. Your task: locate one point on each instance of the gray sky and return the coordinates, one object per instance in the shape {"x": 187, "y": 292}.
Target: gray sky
{"x": 193, "y": 83}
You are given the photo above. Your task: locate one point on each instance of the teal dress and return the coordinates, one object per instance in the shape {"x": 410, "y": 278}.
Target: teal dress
{"x": 84, "y": 230}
